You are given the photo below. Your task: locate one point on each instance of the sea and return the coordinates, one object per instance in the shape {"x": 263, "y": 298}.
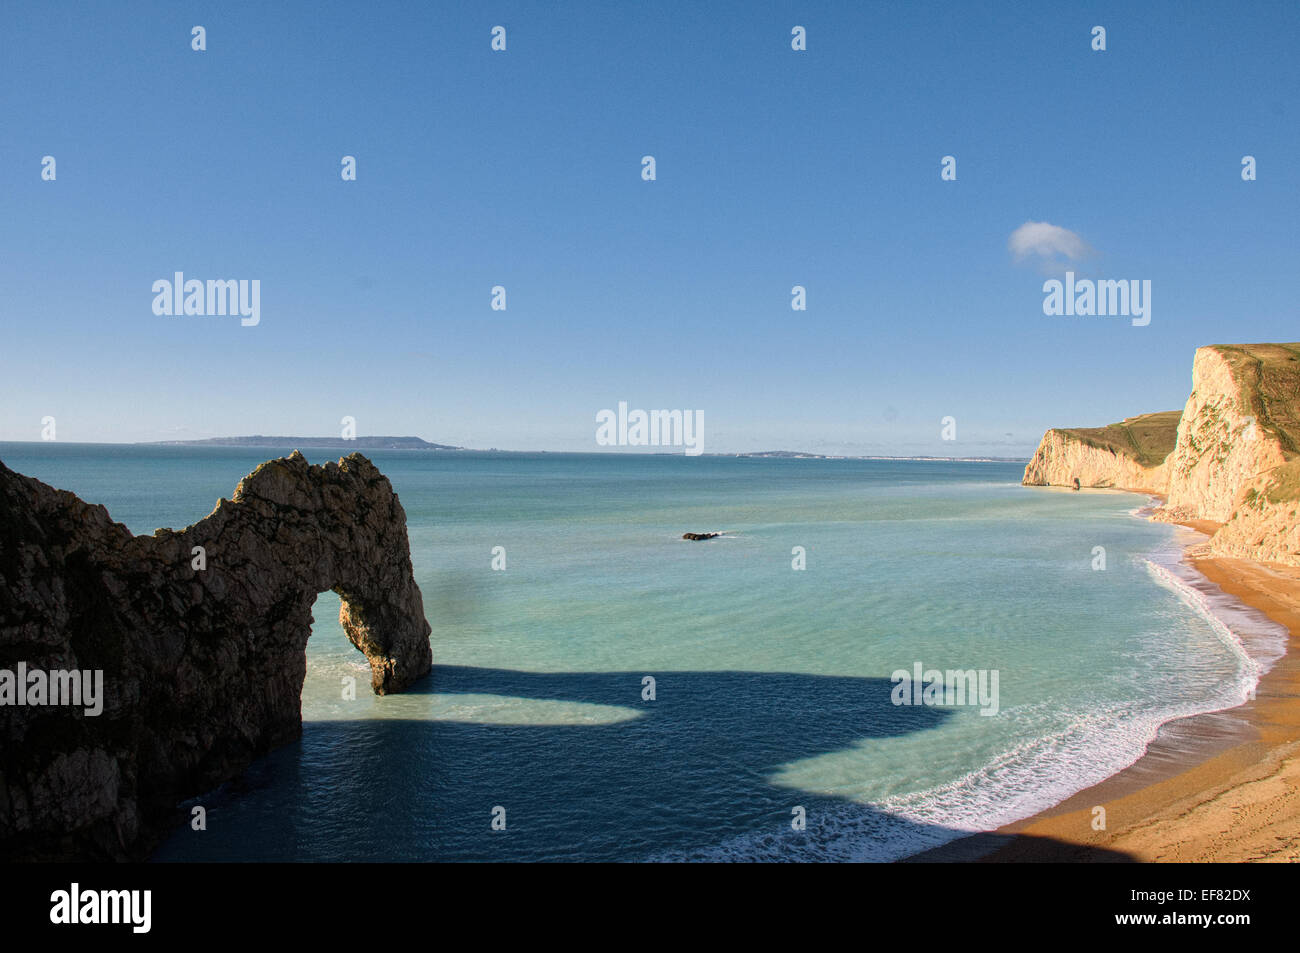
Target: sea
{"x": 604, "y": 690}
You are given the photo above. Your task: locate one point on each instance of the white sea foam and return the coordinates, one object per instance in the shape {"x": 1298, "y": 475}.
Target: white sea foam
{"x": 1249, "y": 670}
{"x": 1144, "y": 510}
{"x": 1030, "y": 776}
{"x": 1038, "y": 771}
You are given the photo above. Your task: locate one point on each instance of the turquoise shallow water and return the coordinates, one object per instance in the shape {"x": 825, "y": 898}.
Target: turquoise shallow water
{"x": 773, "y": 687}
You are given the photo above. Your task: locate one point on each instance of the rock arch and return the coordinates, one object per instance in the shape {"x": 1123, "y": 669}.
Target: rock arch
{"x": 203, "y": 668}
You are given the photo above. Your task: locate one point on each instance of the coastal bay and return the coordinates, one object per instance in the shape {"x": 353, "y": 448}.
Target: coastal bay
{"x": 769, "y": 696}
{"x": 1221, "y": 786}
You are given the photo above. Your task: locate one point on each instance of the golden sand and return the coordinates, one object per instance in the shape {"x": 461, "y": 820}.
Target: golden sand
{"x": 1223, "y": 786}
{"x": 1241, "y": 803}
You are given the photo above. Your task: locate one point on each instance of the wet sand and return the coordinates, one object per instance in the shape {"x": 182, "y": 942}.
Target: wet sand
{"x": 1223, "y": 786}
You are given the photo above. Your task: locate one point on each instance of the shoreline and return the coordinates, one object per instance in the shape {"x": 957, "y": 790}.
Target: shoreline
{"x": 1218, "y": 786}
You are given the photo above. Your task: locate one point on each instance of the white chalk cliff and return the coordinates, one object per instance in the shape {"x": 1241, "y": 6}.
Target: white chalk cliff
{"x": 1234, "y": 459}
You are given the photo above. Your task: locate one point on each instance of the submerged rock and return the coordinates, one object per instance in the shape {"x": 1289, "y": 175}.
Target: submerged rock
{"x": 200, "y": 635}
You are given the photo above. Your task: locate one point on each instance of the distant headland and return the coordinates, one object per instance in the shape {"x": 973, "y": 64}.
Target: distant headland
{"x": 416, "y": 443}
{"x": 356, "y": 443}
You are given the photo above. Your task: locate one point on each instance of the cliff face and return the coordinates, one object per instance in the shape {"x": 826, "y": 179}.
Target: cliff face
{"x": 1235, "y": 458}
{"x": 1062, "y": 457}
{"x": 1128, "y": 455}
{"x": 1228, "y": 434}
{"x": 1266, "y": 525}
{"x": 202, "y": 667}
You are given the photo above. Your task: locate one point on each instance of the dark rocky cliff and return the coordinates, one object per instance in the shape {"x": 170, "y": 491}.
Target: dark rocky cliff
{"x": 203, "y": 668}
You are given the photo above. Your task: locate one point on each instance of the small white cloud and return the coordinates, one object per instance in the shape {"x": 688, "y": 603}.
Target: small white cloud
{"x": 1047, "y": 241}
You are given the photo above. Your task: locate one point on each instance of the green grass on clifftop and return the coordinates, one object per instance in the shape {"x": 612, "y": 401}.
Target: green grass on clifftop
{"x": 1270, "y": 378}
{"x": 1146, "y": 438}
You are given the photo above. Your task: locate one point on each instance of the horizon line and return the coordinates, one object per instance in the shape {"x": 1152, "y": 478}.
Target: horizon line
{"x": 445, "y": 448}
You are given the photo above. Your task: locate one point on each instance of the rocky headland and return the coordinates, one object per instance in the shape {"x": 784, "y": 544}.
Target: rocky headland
{"x": 1229, "y": 461}
{"x": 200, "y": 634}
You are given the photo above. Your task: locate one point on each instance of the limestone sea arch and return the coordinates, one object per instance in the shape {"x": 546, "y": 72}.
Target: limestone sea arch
{"x": 200, "y": 634}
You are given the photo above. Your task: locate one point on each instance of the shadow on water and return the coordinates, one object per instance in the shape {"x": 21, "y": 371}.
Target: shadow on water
{"x": 695, "y": 770}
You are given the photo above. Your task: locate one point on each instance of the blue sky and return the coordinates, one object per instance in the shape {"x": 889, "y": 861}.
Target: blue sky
{"x": 522, "y": 169}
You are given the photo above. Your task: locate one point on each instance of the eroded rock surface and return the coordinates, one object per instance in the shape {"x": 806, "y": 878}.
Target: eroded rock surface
{"x": 1069, "y": 458}
{"x": 1234, "y": 459}
{"x": 203, "y": 668}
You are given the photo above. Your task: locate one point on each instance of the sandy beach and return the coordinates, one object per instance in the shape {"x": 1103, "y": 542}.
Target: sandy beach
{"x": 1223, "y": 786}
